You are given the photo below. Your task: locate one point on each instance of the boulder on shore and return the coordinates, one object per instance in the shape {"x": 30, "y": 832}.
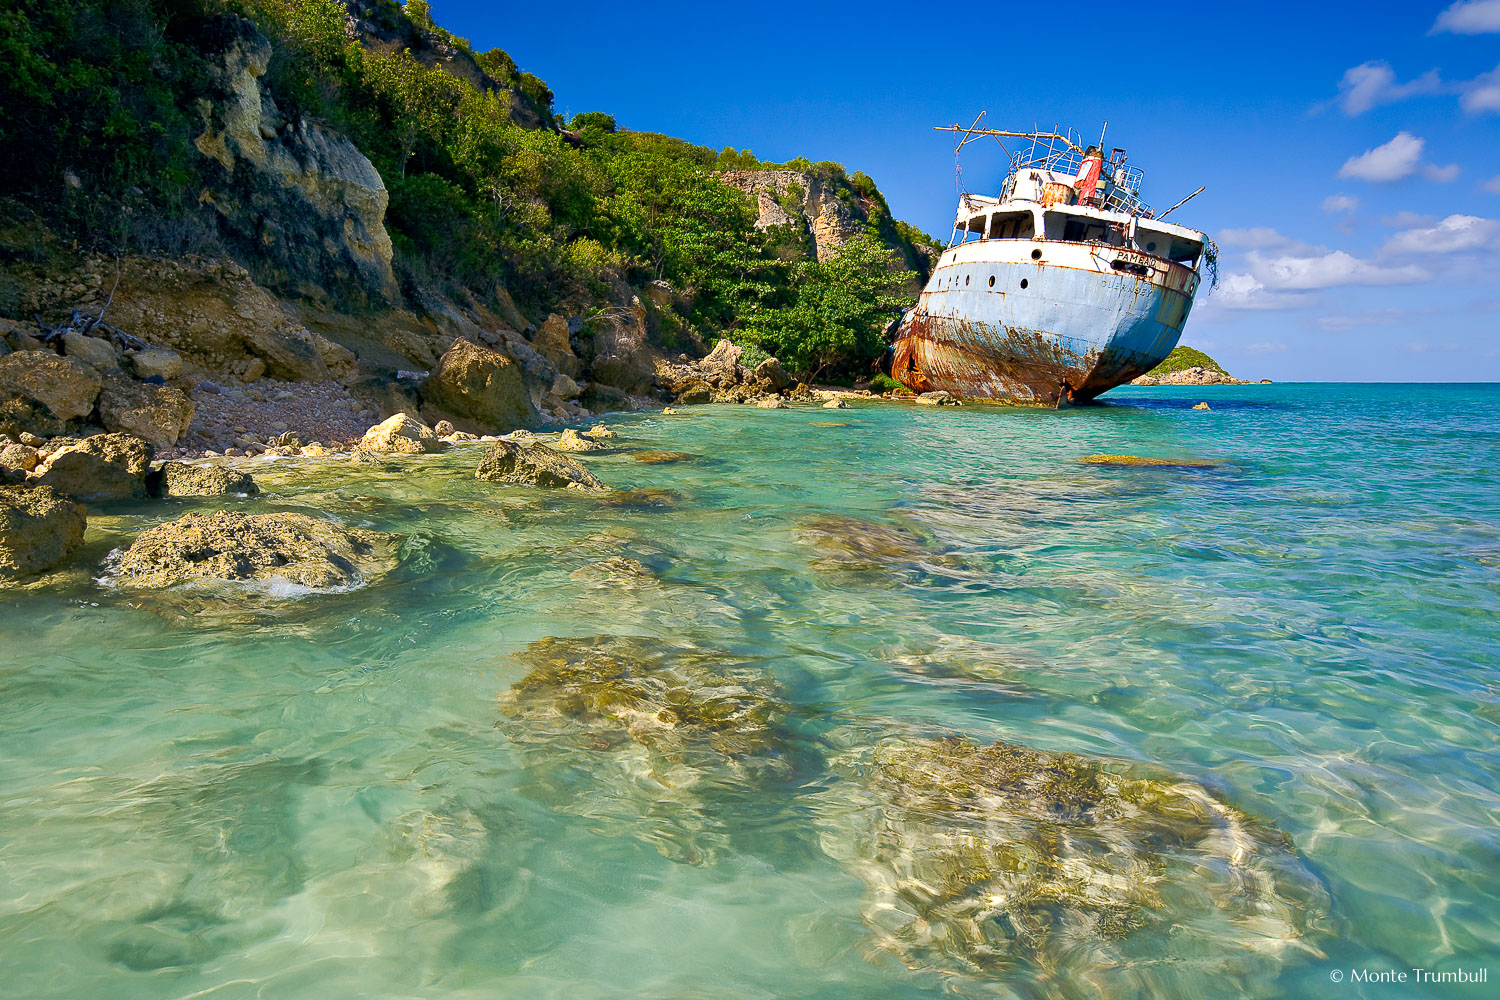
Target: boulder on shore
{"x": 223, "y": 545}
{"x": 537, "y": 465}
{"x": 836, "y": 403}
{"x": 178, "y": 479}
{"x": 65, "y": 386}
{"x": 100, "y": 468}
{"x": 400, "y": 435}
{"x": 772, "y": 375}
{"x": 478, "y": 384}
{"x": 158, "y": 414}
{"x": 39, "y": 528}
{"x": 771, "y": 403}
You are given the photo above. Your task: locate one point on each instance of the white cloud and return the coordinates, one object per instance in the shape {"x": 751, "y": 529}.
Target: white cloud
{"x": 1339, "y": 203}
{"x": 1372, "y": 84}
{"x": 1407, "y": 220}
{"x": 1265, "y": 347}
{"x": 1493, "y": 185}
{"x": 1481, "y": 93}
{"x": 1442, "y": 175}
{"x": 1292, "y": 272}
{"x": 1390, "y": 162}
{"x": 1470, "y": 17}
{"x": 1454, "y": 234}
{"x": 1245, "y": 291}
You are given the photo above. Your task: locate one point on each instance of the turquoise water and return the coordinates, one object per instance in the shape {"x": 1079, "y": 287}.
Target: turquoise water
{"x": 345, "y": 794}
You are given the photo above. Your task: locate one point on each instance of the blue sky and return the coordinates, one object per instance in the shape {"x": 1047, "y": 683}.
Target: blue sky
{"x": 1351, "y": 151}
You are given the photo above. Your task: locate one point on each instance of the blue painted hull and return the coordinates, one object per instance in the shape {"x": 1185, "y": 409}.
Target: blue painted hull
{"x": 1040, "y": 332}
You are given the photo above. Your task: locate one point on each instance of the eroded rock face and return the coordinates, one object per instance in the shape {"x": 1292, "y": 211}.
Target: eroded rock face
{"x": 178, "y": 479}
{"x": 618, "y": 352}
{"x": 480, "y": 385}
{"x": 553, "y": 343}
{"x": 673, "y": 732}
{"x": 102, "y": 468}
{"x": 1005, "y": 860}
{"x": 39, "y": 528}
{"x": 224, "y": 545}
{"x": 158, "y": 414}
{"x": 304, "y": 196}
{"x": 65, "y": 386}
{"x": 399, "y": 435}
{"x": 536, "y": 465}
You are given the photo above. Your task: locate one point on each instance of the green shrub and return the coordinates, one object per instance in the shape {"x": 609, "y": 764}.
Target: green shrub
{"x": 883, "y": 383}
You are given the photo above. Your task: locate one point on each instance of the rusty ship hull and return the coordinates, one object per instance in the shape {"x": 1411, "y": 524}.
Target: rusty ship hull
{"x": 1041, "y": 322}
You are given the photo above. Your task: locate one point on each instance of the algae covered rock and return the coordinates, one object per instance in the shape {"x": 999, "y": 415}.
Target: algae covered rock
{"x": 536, "y": 465}
{"x": 294, "y": 548}
{"x": 671, "y": 733}
{"x": 39, "y": 528}
{"x": 850, "y": 544}
{"x": 178, "y": 479}
{"x": 1003, "y": 860}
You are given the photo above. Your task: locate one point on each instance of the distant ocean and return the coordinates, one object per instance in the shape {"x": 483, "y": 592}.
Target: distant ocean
{"x": 336, "y": 796}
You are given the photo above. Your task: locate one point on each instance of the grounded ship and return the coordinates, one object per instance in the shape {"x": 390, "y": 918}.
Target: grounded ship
{"x": 1060, "y": 289}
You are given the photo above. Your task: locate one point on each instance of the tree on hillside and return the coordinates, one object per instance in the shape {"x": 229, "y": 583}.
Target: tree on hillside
{"x": 837, "y": 311}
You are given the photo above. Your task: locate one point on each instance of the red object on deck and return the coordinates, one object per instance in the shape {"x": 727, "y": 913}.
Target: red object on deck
{"x": 1088, "y": 178}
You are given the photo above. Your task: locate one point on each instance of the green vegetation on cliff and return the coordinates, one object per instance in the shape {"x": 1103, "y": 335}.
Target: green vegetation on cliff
{"x": 102, "y": 103}
{"x": 1183, "y": 358}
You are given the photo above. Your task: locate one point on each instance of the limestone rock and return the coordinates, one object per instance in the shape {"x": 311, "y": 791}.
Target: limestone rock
{"x": 618, "y": 353}
{"x": 65, "y": 386}
{"x": 1200, "y": 406}
{"x": 507, "y": 462}
{"x": 481, "y": 385}
{"x": 600, "y": 432}
{"x": 571, "y": 440}
{"x": 553, "y": 343}
{"x": 19, "y": 456}
{"x": 772, "y": 375}
{"x": 93, "y": 351}
{"x": 156, "y": 361}
{"x": 100, "y": 468}
{"x": 399, "y": 435}
{"x": 836, "y": 403}
{"x": 939, "y": 398}
{"x": 160, "y": 414}
{"x": 721, "y": 367}
{"x": 178, "y": 479}
{"x": 443, "y": 428}
{"x": 23, "y": 415}
{"x": 771, "y": 403}
{"x": 224, "y": 545}
{"x": 696, "y": 392}
{"x": 39, "y": 528}
{"x": 564, "y": 388}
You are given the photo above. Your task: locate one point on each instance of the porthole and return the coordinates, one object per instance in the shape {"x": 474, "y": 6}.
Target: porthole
{"x": 1023, "y": 282}
{"x": 1036, "y": 255}
{"x": 992, "y": 281}
{"x": 1150, "y": 247}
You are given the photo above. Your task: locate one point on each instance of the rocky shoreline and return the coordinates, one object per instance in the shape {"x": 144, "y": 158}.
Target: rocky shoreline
{"x": 1196, "y": 375}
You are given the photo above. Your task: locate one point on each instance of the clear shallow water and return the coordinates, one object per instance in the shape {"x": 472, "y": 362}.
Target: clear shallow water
{"x": 327, "y": 796}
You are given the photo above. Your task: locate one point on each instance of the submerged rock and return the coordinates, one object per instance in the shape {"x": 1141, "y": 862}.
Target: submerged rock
{"x": 400, "y": 435}
{"x": 103, "y": 467}
{"x": 223, "y": 545}
{"x": 178, "y": 479}
{"x": 39, "y": 528}
{"x": 851, "y": 544}
{"x": 653, "y": 456}
{"x": 537, "y": 465}
{"x": 1182, "y": 463}
{"x": 1005, "y": 860}
{"x": 674, "y": 736}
